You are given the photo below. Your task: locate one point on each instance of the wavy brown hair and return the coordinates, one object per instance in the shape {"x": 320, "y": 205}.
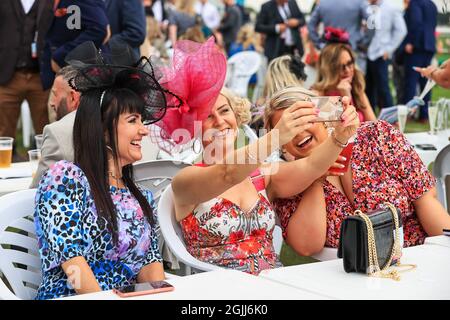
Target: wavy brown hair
{"x": 329, "y": 70}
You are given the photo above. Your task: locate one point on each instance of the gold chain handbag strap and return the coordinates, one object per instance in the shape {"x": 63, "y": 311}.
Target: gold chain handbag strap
{"x": 374, "y": 268}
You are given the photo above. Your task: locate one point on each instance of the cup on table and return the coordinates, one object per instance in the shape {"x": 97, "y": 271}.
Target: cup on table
{"x": 402, "y": 116}
{"x": 6, "y": 147}
{"x": 39, "y": 138}
{"x": 432, "y": 115}
{"x": 34, "y": 157}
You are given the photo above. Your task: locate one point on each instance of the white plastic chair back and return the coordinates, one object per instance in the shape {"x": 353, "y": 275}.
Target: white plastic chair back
{"x": 326, "y": 254}
{"x": 441, "y": 169}
{"x": 20, "y": 262}
{"x": 241, "y": 67}
{"x": 261, "y": 79}
{"x": 157, "y": 175}
{"x": 171, "y": 231}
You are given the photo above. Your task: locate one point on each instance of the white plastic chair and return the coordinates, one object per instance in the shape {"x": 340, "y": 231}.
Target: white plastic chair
{"x": 240, "y": 68}
{"x": 441, "y": 169}
{"x": 261, "y": 79}
{"x": 20, "y": 262}
{"x": 172, "y": 233}
{"x": 326, "y": 254}
{"x": 157, "y": 175}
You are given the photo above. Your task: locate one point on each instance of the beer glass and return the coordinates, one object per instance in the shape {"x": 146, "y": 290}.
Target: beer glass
{"x": 6, "y": 146}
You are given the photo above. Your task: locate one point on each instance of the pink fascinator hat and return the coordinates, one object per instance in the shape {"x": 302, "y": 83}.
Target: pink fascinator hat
{"x": 196, "y": 76}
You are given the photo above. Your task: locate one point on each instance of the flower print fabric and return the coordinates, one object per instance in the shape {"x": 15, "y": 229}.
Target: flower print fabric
{"x": 221, "y": 233}
{"x": 67, "y": 226}
{"x": 385, "y": 168}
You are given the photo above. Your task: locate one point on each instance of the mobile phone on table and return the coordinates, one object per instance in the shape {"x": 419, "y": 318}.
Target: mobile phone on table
{"x": 140, "y": 289}
{"x": 425, "y": 146}
{"x": 330, "y": 108}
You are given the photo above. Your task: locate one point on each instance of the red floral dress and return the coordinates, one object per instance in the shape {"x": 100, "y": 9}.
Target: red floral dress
{"x": 385, "y": 167}
{"x": 221, "y": 233}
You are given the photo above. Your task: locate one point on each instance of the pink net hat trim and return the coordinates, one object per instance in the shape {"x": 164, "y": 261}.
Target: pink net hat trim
{"x": 196, "y": 76}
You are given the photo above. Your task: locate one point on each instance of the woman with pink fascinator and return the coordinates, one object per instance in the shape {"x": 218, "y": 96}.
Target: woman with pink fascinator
{"x": 223, "y": 203}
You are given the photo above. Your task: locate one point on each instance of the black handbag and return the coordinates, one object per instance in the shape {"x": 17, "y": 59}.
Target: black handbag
{"x": 372, "y": 243}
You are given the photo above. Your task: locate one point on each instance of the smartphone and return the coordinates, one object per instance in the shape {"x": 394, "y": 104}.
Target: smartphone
{"x": 330, "y": 108}
{"x": 425, "y": 146}
{"x": 140, "y": 289}
{"x": 446, "y": 232}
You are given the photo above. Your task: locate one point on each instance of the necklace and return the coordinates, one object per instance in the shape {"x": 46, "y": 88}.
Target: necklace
{"x": 111, "y": 174}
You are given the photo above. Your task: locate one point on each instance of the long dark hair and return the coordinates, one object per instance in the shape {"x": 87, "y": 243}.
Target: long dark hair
{"x": 95, "y": 130}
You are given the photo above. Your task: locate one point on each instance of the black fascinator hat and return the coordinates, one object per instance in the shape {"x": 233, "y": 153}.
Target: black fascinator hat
{"x": 97, "y": 71}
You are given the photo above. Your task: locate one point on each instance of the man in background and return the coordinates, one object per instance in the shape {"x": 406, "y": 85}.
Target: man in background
{"x": 128, "y": 23}
{"x": 23, "y": 27}
{"x": 280, "y": 21}
{"x": 66, "y": 33}
{"x": 231, "y": 23}
{"x": 419, "y": 48}
{"x": 57, "y": 137}
{"x": 388, "y": 30}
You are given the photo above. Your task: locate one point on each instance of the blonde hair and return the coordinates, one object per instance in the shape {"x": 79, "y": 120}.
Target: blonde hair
{"x": 329, "y": 70}
{"x": 247, "y": 37}
{"x": 283, "y": 99}
{"x": 240, "y": 106}
{"x": 186, "y": 6}
{"x": 279, "y": 76}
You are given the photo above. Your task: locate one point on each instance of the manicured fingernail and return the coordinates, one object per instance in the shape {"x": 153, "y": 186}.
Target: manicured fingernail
{"x": 343, "y": 158}
{"x": 341, "y": 166}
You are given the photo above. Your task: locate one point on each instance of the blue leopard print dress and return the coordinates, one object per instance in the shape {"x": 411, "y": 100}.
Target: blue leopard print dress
{"x": 67, "y": 226}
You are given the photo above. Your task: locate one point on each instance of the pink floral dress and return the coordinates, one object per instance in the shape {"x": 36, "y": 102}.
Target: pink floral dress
{"x": 221, "y": 233}
{"x": 385, "y": 167}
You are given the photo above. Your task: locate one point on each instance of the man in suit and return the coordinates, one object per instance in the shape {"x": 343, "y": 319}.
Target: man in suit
{"x": 22, "y": 31}
{"x": 280, "y": 21}
{"x": 128, "y": 23}
{"x": 57, "y": 137}
{"x": 419, "y": 47}
{"x": 64, "y": 35}
{"x": 388, "y": 33}
{"x": 231, "y": 23}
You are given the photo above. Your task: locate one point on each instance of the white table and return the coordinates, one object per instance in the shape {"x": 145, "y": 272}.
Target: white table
{"x": 216, "y": 285}
{"x": 438, "y": 240}
{"x": 430, "y": 280}
{"x": 16, "y": 184}
{"x": 439, "y": 141}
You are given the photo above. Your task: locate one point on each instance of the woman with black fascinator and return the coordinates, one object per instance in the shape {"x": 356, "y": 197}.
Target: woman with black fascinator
{"x": 96, "y": 228}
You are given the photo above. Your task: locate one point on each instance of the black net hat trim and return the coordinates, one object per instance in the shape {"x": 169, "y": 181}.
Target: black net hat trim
{"x": 143, "y": 83}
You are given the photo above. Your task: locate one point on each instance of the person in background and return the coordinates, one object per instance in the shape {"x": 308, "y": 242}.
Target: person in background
{"x": 388, "y": 30}
{"x": 23, "y": 27}
{"x": 398, "y": 65}
{"x": 231, "y": 23}
{"x": 312, "y": 219}
{"x": 419, "y": 48}
{"x": 210, "y": 17}
{"x": 127, "y": 21}
{"x": 60, "y": 39}
{"x": 97, "y": 230}
{"x": 439, "y": 75}
{"x": 348, "y": 15}
{"x": 337, "y": 75}
{"x": 57, "y": 136}
{"x": 280, "y": 21}
{"x": 181, "y": 18}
